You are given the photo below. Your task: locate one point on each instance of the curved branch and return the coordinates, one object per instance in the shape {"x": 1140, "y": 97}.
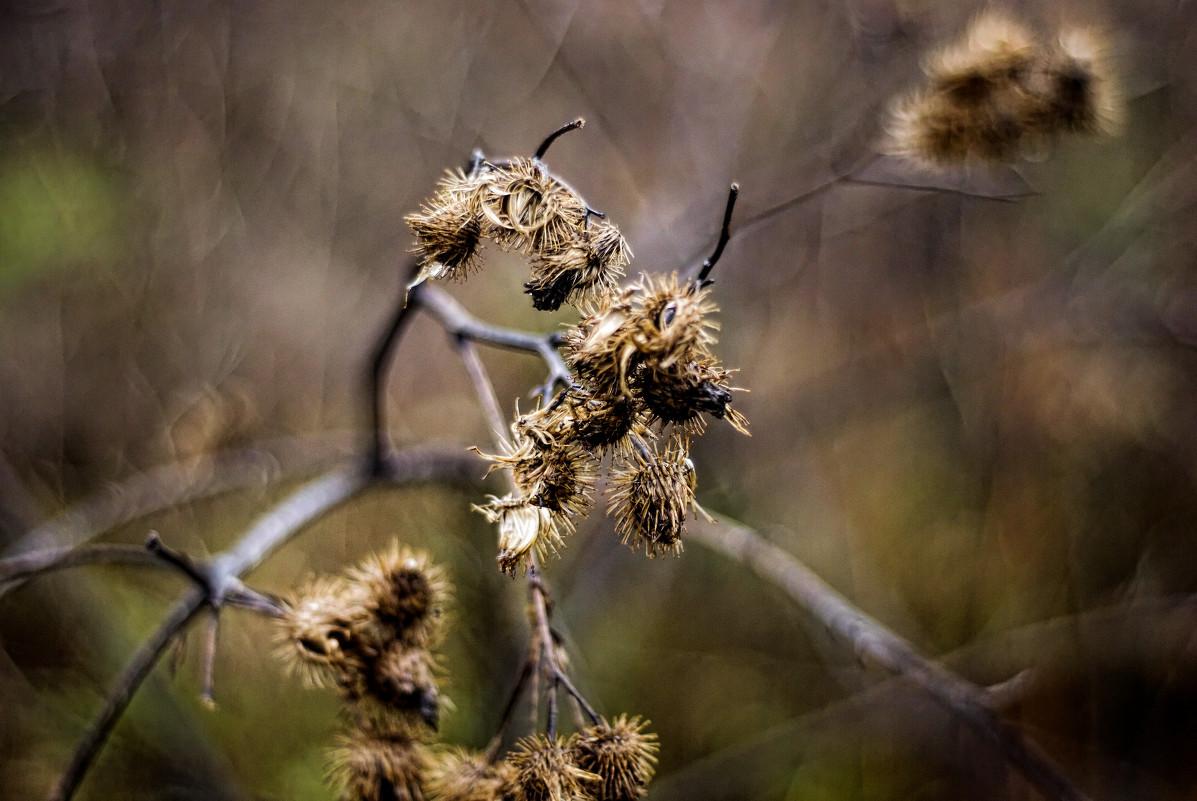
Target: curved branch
{"x": 224, "y": 571}
{"x": 873, "y": 642}
{"x": 17, "y": 568}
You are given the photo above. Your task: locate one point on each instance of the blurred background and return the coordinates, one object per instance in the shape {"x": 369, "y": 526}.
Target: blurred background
{"x": 971, "y": 405}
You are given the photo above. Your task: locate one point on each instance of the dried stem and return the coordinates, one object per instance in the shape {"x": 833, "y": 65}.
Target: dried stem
{"x": 376, "y": 380}
{"x": 460, "y": 323}
{"x": 551, "y": 138}
{"x": 873, "y": 642}
{"x": 724, "y": 236}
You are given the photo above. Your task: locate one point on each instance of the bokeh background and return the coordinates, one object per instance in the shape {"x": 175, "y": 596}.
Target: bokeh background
{"x": 971, "y": 394}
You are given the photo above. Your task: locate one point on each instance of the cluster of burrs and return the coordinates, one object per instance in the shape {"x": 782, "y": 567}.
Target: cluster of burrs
{"x": 370, "y": 633}
{"x": 575, "y": 253}
{"x": 1000, "y": 92}
{"x": 643, "y": 377}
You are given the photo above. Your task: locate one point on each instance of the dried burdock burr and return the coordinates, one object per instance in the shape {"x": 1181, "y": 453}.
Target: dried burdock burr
{"x": 621, "y": 753}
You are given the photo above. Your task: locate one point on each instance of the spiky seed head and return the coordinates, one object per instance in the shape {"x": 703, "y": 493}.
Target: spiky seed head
{"x": 549, "y": 469}
{"x": 600, "y": 350}
{"x": 378, "y": 765}
{"x": 407, "y": 594}
{"x": 316, "y": 632}
{"x": 598, "y": 424}
{"x": 672, "y": 323}
{"x": 621, "y": 753}
{"x": 651, "y": 497}
{"x": 449, "y": 229}
{"x": 544, "y": 772}
{"x": 529, "y": 210}
{"x": 456, "y": 774}
{"x": 587, "y": 268}
{"x": 1077, "y": 86}
{"x": 995, "y": 51}
{"x": 403, "y": 680}
{"x": 682, "y": 393}
{"x": 523, "y": 527}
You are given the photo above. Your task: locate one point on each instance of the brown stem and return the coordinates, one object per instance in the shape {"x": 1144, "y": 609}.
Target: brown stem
{"x": 724, "y": 236}
{"x": 873, "y": 642}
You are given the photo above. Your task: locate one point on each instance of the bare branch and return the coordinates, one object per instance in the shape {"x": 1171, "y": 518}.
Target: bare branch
{"x": 873, "y": 642}
{"x": 17, "y": 568}
{"x": 460, "y": 323}
{"x": 224, "y": 570}
{"x": 376, "y": 378}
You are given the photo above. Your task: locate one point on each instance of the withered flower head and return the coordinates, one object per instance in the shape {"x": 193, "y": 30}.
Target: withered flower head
{"x": 601, "y": 423}
{"x": 672, "y": 323}
{"x": 316, "y": 632}
{"x": 544, "y": 772}
{"x": 589, "y": 267}
{"x": 460, "y": 775}
{"x": 996, "y": 50}
{"x": 522, "y": 527}
{"x": 403, "y": 680}
{"x": 1077, "y": 86}
{"x": 528, "y": 209}
{"x": 651, "y": 497}
{"x": 449, "y": 229}
{"x": 600, "y": 350}
{"x": 378, "y": 765}
{"x": 550, "y": 470}
{"x": 622, "y": 754}
{"x": 406, "y": 593}
{"x": 682, "y": 392}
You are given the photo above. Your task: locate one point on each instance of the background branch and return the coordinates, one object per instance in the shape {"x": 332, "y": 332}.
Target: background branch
{"x": 872, "y": 642}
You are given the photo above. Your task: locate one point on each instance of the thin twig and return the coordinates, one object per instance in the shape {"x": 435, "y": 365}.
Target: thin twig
{"x": 135, "y": 672}
{"x": 458, "y": 322}
{"x": 27, "y": 565}
{"x": 724, "y": 236}
{"x": 376, "y": 379}
{"x": 483, "y": 388}
{"x": 872, "y": 641}
{"x": 551, "y": 138}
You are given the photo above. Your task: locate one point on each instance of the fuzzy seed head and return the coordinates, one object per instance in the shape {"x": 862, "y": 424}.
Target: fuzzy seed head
{"x": 598, "y": 424}
{"x": 621, "y": 753}
{"x": 449, "y": 229}
{"x": 460, "y": 775}
{"x": 588, "y": 268}
{"x": 995, "y": 50}
{"x": 404, "y": 681}
{"x": 544, "y": 772}
{"x": 526, "y": 209}
{"x": 407, "y": 594}
{"x": 681, "y": 393}
{"x": 651, "y": 497}
{"x": 1078, "y": 88}
{"x": 316, "y": 634}
{"x": 371, "y": 765}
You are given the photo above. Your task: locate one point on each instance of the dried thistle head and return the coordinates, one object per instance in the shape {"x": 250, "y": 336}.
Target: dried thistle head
{"x": 403, "y": 680}
{"x": 455, "y": 774}
{"x": 406, "y": 594}
{"x": 600, "y": 349}
{"x": 529, "y": 210}
{"x": 449, "y": 229}
{"x": 651, "y": 495}
{"x": 672, "y": 322}
{"x": 995, "y": 51}
{"x": 587, "y": 268}
{"x": 682, "y": 393}
{"x": 937, "y": 131}
{"x": 1077, "y": 86}
{"x": 316, "y": 634}
{"x": 523, "y": 526}
{"x": 621, "y": 753}
{"x": 600, "y": 423}
{"x": 370, "y": 764}
{"x": 545, "y": 772}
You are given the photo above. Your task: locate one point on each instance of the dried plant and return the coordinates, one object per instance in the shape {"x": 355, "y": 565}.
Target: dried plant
{"x": 1000, "y": 91}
